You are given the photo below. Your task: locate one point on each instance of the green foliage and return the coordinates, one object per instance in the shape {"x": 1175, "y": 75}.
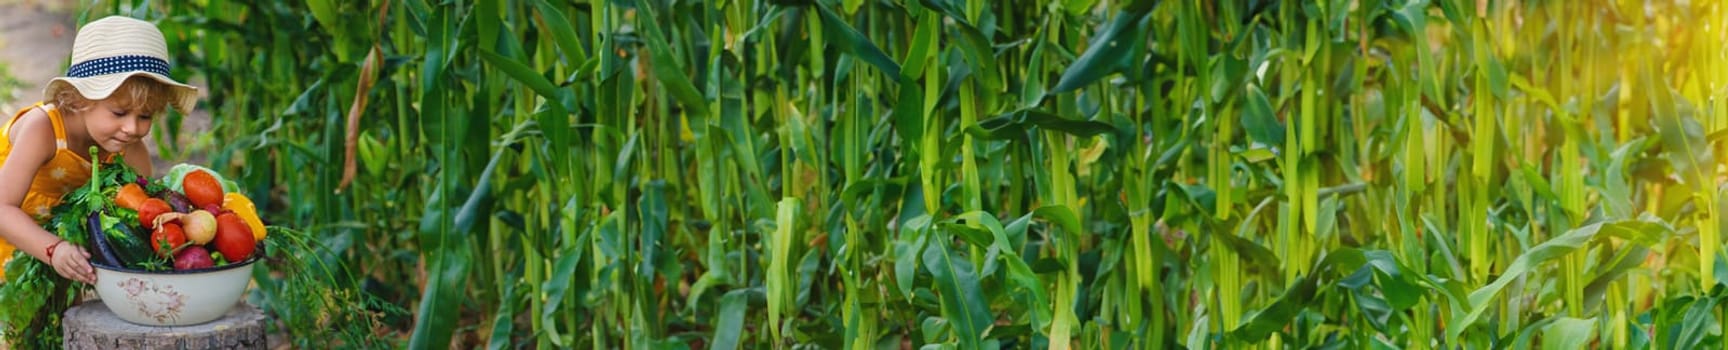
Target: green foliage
{"x": 754, "y": 174}
{"x": 36, "y": 295}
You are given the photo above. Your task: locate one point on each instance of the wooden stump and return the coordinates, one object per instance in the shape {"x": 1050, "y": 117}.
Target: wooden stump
{"x": 92, "y": 326}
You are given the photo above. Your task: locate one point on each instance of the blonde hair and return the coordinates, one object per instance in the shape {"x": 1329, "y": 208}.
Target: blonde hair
{"x": 139, "y": 94}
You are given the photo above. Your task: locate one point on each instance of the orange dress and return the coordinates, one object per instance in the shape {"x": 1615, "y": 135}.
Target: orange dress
{"x": 66, "y": 171}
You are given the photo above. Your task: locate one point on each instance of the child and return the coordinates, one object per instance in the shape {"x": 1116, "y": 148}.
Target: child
{"x": 117, "y": 83}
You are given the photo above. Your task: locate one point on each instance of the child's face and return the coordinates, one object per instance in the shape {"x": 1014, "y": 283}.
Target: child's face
{"x": 113, "y": 127}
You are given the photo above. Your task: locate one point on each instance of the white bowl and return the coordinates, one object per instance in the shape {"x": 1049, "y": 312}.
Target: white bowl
{"x": 172, "y": 298}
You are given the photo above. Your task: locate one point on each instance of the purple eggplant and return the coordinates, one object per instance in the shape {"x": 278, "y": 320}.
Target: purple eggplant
{"x": 118, "y": 245}
{"x": 104, "y": 253}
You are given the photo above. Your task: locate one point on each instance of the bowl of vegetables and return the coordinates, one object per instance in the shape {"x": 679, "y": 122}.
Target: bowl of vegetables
{"x": 174, "y": 251}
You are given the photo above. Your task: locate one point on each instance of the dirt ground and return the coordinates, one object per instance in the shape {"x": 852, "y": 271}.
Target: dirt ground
{"x": 35, "y": 42}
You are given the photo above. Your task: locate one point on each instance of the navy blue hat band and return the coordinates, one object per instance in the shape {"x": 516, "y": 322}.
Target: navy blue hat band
{"x": 118, "y": 64}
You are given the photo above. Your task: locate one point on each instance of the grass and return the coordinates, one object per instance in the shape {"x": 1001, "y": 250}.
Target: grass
{"x": 9, "y": 85}
{"x": 1081, "y": 174}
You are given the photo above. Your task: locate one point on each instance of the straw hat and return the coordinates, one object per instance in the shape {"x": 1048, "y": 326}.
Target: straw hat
{"x": 109, "y": 50}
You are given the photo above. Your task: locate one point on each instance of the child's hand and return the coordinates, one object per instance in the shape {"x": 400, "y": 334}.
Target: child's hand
{"x": 72, "y": 262}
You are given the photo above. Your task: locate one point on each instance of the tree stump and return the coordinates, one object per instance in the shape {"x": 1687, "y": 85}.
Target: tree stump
{"x": 92, "y": 326}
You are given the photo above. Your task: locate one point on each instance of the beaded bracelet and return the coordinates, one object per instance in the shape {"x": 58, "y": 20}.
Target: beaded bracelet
{"x": 50, "y": 252}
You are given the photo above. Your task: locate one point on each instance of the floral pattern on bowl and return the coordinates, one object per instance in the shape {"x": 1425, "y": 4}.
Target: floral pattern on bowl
{"x": 159, "y": 302}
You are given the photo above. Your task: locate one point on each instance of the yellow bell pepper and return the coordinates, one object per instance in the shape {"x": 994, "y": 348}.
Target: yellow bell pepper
{"x": 242, "y": 206}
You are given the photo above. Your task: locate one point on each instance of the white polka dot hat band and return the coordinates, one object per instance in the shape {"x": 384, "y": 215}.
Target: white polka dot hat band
{"x": 108, "y": 51}
{"x": 117, "y": 64}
